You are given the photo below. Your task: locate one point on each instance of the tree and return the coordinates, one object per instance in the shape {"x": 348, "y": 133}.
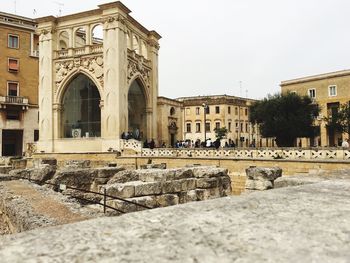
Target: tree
{"x": 285, "y": 116}
{"x": 340, "y": 119}
{"x": 220, "y": 133}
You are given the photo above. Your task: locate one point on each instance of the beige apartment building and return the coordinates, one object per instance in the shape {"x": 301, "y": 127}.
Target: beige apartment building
{"x": 187, "y": 116}
{"x": 329, "y": 91}
{"x": 18, "y": 83}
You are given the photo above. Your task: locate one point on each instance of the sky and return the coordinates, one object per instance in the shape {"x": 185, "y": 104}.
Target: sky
{"x": 236, "y": 47}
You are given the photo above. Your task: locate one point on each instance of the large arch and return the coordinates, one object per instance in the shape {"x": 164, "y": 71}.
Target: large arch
{"x": 81, "y": 113}
{"x": 137, "y": 115}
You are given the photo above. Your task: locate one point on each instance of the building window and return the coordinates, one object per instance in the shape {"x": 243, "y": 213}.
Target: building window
{"x": 12, "y": 114}
{"x": 229, "y": 126}
{"x": 13, "y": 64}
{"x": 188, "y": 127}
{"x": 236, "y": 126}
{"x": 217, "y": 125}
{"x": 312, "y": 93}
{"x": 198, "y": 127}
{"x": 172, "y": 111}
{"x": 207, "y": 110}
{"x": 229, "y": 110}
{"x": 197, "y": 111}
{"x": 217, "y": 109}
{"x": 246, "y": 127}
{"x": 81, "y": 116}
{"x": 13, "y": 41}
{"x": 246, "y": 112}
{"x": 36, "y": 135}
{"x": 207, "y": 127}
{"x": 241, "y": 126}
{"x": 332, "y": 90}
{"x": 12, "y": 89}
{"x": 236, "y": 111}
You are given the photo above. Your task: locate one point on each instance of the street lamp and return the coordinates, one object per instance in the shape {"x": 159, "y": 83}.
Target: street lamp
{"x": 205, "y": 106}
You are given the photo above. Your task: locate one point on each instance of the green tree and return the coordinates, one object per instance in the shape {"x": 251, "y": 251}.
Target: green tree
{"x": 220, "y": 133}
{"x": 285, "y": 116}
{"x": 340, "y": 119}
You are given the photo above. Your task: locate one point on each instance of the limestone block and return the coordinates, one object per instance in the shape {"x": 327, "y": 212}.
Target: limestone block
{"x": 187, "y": 196}
{"x": 167, "y": 200}
{"x": 208, "y": 182}
{"x": 205, "y": 194}
{"x": 23, "y": 173}
{"x": 125, "y": 190}
{"x": 43, "y": 174}
{"x": 225, "y": 182}
{"x": 172, "y": 186}
{"x": 108, "y": 172}
{"x": 78, "y": 163}
{"x": 263, "y": 173}
{"x": 154, "y": 166}
{"x": 124, "y": 176}
{"x": 188, "y": 184}
{"x": 183, "y": 173}
{"x": 155, "y": 175}
{"x": 208, "y": 171}
{"x": 5, "y": 169}
{"x": 149, "y": 201}
{"x": 147, "y": 188}
{"x": 258, "y": 184}
{"x": 40, "y": 161}
{"x": 79, "y": 178}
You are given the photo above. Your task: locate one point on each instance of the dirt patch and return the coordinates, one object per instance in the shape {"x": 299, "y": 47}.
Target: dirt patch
{"x": 43, "y": 204}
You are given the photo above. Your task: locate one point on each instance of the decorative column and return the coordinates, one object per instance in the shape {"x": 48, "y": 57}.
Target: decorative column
{"x": 115, "y": 65}
{"x": 46, "y": 45}
{"x": 154, "y": 90}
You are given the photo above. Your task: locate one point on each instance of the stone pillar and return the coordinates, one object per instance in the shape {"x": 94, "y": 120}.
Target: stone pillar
{"x": 115, "y": 87}
{"x": 57, "y": 110}
{"x": 154, "y": 47}
{"x": 47, "y": 42}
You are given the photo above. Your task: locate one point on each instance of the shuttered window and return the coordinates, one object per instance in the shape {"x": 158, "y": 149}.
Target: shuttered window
{"x": 13, "y": 64}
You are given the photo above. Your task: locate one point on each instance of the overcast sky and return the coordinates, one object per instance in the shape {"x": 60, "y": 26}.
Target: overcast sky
{"x": 208, "y": 47}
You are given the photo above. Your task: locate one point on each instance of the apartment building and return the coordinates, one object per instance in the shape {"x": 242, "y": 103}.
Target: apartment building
{"x": 18, "y": 83}
{"x": 211, "y": 112}
{"x": 329, "y": 91}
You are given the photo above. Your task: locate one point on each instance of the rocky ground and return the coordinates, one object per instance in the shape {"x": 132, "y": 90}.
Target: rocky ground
{"x": 304, "y": 223}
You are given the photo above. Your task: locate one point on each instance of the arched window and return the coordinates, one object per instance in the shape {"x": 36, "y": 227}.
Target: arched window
{"x": 81, "y": 116}
{"x": 137, "y": 110}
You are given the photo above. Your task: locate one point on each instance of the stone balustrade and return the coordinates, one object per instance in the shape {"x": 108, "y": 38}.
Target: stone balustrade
{"x": 252, "y": 153}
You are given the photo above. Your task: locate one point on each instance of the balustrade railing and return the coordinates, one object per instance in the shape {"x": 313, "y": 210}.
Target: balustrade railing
{"x": 13, "y": 100}
{"x": 252, "y": 153}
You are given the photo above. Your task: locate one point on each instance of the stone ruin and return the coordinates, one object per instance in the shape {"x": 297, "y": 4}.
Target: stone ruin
{"x": 261, "y": 178}
{"x": 150, "y": 186}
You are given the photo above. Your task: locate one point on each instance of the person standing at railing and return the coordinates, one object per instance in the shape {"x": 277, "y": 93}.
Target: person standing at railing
{"x": 345, "y": 143}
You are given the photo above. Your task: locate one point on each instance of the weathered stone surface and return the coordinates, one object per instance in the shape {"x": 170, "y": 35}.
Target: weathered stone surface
{"x": 5, "y": 169}
{"x": 308, "y": 223}
{"x": 176, "y": 186}
{"x": 167, "y": 200}
{"x": 78, "y": 163}
{"x": 263, "y": 173}
{"x": 125, "y": 190}
{"x": 153, "y": 166}
{"x": 155, "y": 175}
{"x": 258, "y": 185}
{"x": 42, "y": 161}
{"x": 108, "y": 172}
{"x": 226, "y": 185}
{"x": 124, "y": 176}
{"x": 208, "y": 171}
{"x": 205, "y": 194}
{"x": 19, "y": 163}
{"x": 187, "y": 196}
{"x": 147, "y": 188}
{"x": 208, "y": 182}
{"x": 78, "y": 178}
{"x": 149, "y": 201}
{"x": 21, "y": 173}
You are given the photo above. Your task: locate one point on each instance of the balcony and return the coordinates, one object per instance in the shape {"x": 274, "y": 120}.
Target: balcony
{"x": 13, "y": 100}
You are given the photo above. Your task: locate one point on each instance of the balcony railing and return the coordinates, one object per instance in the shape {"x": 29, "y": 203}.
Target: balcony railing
{"x": 13, "y": 100}
{"x": 35, "y": 53}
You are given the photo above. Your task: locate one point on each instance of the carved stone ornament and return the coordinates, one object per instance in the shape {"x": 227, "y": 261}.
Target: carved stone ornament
{"x": 92, "y": 64}
{"x": 137, "y": 66}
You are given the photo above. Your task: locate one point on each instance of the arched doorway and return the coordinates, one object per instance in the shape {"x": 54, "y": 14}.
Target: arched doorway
{"x": 81, "y": 115}
{"x": 137, "y": 118}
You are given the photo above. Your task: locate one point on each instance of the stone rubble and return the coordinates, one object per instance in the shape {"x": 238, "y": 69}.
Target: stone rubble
{"x": 261, "y": 178}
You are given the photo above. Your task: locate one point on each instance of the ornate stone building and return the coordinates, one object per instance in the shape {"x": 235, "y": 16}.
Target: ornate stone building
{"x": 18, "y": 84}
{"x": 329, "y": 91}
{"x": 98, "y": 78}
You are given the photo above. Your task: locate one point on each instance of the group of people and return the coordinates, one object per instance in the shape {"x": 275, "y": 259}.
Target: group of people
{"x": 203, "y": 144}
{"x": 131, "y": 135}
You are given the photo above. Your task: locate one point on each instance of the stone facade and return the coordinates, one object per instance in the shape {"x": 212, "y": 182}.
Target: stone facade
{"x": 126, "y": 56}
{"x": 18, "y": 84}
{"x": 328, "y": 90}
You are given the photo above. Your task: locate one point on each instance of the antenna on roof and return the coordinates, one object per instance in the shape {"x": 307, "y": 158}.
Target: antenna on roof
{"x": 60, "y": 5}
{"x": 34, "y": 12}
{"x": 246, "y": 93}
